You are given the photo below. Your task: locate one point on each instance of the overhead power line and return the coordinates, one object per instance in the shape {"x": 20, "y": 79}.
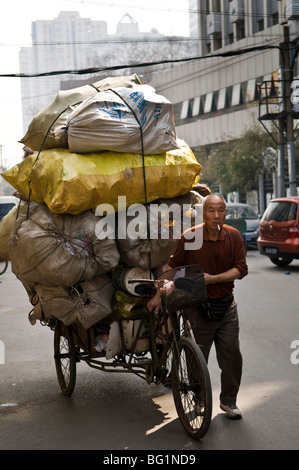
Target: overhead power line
{"x": 92, "y": 70}
{"x": 109, "y": 41}
{"x": 195, "y": 11}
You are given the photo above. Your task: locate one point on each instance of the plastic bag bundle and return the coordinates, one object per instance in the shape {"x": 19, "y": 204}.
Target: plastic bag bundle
{"x": 41, "y": 129}
{"x": 111, "y": 120}
{"x": 86, "y": 303}
{"x": 167, "y": 221}
{"x": 6, "y": 226}
{"x": 54, "y": 249}
{"x": 73, "y": 183}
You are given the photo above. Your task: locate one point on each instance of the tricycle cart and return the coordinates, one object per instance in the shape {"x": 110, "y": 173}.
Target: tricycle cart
{"x": 169, "y": 353}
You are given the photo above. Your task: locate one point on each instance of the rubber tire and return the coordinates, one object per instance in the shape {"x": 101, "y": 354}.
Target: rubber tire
{"x": 281, "y": 261}
{"x": 191, "y": 363}
{"x": 3, "y": 267}
{"x": 65, "y": 358}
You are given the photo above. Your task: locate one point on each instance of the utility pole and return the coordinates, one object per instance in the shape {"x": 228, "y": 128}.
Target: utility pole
{"x": 287, "y": 80}
{"x": 281, "y": 190}
{"x": 281, "y": 187}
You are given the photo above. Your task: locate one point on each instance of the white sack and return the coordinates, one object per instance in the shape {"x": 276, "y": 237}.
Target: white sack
{"x": 105, "y": 122}
{"x": 113, "y": 346}
{"x": 130, "y": 329}
{"x": 57, "y": 112}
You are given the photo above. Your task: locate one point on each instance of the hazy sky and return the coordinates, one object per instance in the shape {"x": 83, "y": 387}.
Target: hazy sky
{"x": 169, "y": 17}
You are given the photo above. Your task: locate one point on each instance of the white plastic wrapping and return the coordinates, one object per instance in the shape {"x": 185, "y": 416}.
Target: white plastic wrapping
{"x": 111, "y": 120}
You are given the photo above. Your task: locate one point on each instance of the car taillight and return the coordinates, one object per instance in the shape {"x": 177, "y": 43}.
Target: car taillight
{"x": 293, "y": 231}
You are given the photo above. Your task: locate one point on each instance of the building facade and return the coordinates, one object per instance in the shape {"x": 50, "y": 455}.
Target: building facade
{"x": 247, "y": 61}
{"x": 217, "y": 96}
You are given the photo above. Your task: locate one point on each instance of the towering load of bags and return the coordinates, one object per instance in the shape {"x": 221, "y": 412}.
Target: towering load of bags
{"x": 96, "y": 151}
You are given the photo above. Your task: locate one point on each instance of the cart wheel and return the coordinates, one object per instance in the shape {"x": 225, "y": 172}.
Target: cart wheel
{"x": 167, "y": 381}
{"x": 191, "y": 388}
{"x": 3, "y": 267}
{"x": 65, "y": 358}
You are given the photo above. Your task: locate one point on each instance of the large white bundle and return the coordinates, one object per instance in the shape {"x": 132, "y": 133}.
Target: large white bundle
{"x": 59, "y": 249}
{"x": 106, "y": 121}
{"x": 40, "y": 133}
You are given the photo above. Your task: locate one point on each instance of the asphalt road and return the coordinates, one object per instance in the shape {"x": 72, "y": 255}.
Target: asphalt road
{"x": 114, "y": 412}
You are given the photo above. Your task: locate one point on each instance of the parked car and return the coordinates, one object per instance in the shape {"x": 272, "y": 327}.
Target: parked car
{"x": 279, "y": 231}
{"x": 245, "y": 219}
{"x": 6, "y": 204}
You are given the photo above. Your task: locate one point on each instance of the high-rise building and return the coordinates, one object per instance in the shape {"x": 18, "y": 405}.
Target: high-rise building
{"x": 72, "y": 43}
{"x": 68, "y": 42}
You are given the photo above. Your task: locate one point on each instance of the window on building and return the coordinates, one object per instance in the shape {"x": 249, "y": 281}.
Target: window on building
{"x": 217, "y": 41}
{"x": 240, "y": 30}
{"x": 267, "y": 85}
{"x": 185, "y": 109}
{"x": 260, "y": 24}
{"x": 207, "y": 7}
{"x": 251, "y": 91}
{"x": 236, "y": 95}
{"x": 229, "y": 91}
{"x": 209, "y": 102}
{"x": 222, "y": 101}
{"x": 217, "y": 6}
{"x": 196, "y": 106}
{"x": 275, "y": 18}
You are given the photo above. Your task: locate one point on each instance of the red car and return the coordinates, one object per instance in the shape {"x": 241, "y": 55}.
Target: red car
{"x": 279, "y": 231}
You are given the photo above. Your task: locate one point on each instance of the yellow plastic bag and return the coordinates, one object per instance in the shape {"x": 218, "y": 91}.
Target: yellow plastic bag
{"x": 72, "y": 183}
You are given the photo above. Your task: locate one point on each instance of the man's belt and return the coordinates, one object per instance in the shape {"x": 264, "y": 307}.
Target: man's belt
{"x": 222, "y": 300}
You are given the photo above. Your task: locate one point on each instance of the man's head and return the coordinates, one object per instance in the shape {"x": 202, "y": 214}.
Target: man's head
{"x": 214, "y": 211}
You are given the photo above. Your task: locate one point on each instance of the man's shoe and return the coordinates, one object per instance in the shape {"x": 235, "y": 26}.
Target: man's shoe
{"x": 232, "y": 411}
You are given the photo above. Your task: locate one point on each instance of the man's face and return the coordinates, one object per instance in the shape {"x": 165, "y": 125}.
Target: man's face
{"x": 215, "y": 212}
